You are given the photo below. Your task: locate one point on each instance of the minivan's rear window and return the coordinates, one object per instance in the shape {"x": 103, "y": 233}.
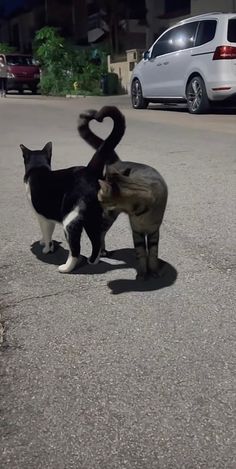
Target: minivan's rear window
{"x": 19, "y": 60}
{"x": 232, "y": 30}
{"x": 206, "y": 32}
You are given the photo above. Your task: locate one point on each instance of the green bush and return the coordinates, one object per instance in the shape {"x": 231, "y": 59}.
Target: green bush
{"x": 63, "y": 65}
{"x": 5, "y": 48}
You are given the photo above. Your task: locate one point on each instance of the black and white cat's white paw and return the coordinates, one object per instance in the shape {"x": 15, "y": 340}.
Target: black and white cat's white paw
{"x": 70, "y": 264}
{"x": 47, "y": 247}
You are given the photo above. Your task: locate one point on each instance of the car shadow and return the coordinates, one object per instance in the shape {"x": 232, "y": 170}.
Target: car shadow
{"x": 115, "y": 260}
{"x": 168, "y": 107}
{"x": 231, "y": 110}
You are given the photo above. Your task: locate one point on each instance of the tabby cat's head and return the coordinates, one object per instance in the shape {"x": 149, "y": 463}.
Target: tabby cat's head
{"x": 123, "y": 192}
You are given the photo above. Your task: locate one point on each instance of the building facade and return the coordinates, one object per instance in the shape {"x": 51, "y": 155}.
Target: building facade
{"x": 162, "y": 14}
{"x": 83, "y": 22}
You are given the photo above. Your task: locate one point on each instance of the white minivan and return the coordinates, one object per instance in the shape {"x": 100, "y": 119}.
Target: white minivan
{"x": 193, "y": 61}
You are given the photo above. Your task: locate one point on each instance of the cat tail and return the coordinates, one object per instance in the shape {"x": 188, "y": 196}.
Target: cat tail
{"x": 105, "y": 153}
{"x": 85, "y": 132}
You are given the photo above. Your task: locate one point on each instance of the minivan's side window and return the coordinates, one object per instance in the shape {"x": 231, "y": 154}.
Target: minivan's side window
{"x": 163, "y": 45}
{"x": 232, "y": 30}
{"x": 206, "y": 32}
{"x": 179, "y": 38}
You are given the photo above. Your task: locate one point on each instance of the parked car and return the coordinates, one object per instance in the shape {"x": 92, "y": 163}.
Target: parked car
{"x": 22, "y": 72}
{"x": 193, "y": 61}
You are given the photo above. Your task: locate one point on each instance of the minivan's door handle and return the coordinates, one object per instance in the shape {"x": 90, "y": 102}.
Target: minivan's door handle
{"x": 165, "y": 63}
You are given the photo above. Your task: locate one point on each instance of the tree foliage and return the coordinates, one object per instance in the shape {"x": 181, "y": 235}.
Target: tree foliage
{"x": 63, "y": 65}
{"x": 5, "y": 48}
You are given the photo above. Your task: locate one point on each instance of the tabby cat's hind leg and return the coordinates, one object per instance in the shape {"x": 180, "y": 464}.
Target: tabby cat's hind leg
{"x": 141, "y": 254}
{"x": 153, "y": 261}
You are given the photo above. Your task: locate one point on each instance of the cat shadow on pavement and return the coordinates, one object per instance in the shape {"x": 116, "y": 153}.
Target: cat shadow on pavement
{"x": 106, "y": 264}
{"x": 126, "y": 260}
{"x": 168, "y": 276}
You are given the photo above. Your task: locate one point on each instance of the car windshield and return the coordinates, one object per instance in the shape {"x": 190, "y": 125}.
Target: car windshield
{"x": 20, "y": 60}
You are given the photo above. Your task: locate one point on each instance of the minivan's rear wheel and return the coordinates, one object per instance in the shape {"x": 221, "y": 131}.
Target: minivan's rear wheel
{"x": 138, "y": 101}
{"x": 197, "y": 99}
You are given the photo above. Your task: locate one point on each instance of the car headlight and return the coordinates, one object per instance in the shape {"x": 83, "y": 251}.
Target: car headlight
{"x": 36, "y": 75}
{"x": 10, "y": 75}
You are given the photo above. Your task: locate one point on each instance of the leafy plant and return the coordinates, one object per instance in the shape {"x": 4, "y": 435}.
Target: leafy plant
{"x": 5, "y": 48}
{"x": 63, "y": 65}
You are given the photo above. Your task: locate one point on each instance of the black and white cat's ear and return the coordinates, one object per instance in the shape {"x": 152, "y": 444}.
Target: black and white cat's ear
{"x": 24, "y": 149}
{"x": 48, "y": 149}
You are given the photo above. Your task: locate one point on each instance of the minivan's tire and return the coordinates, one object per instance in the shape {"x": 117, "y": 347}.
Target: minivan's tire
{"x": 138, "y": 101}
{"x": 197, "y": 99}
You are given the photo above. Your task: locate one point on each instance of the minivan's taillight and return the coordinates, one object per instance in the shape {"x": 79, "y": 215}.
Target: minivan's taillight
{"x": 224, "y": 52}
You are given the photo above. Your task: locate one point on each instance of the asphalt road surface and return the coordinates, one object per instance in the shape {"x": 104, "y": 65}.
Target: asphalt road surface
{"x": 99, "y": 370}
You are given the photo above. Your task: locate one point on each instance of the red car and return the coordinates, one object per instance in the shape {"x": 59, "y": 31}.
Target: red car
{"x": 22, "y": 72}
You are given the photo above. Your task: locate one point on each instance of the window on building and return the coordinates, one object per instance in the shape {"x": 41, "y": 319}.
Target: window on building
{"x": 16, "y": 35}
{"x": 177, "y": 7}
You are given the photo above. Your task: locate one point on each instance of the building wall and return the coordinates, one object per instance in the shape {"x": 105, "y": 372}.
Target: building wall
{"x": 201, "y": 6}
{"x": 21, "y": 31}
{"x": 70, "y": 18}
{"x": 156, "y": 9}
{"x": 4, "y": 31}
{"x": 123, "y": 67}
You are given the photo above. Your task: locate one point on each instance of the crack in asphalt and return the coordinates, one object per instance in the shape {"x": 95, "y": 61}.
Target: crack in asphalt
{"x": 6, "y": 306}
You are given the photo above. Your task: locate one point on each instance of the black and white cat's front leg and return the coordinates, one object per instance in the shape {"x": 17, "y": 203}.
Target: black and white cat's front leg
{"x": 73, "y": 227}
{"x": 47, "y": 227}
{"x": 93, "y": 228}
{"x": 108, "y": 218}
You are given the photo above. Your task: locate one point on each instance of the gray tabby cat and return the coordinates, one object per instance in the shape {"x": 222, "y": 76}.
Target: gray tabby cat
{"x": 134, "y": 188}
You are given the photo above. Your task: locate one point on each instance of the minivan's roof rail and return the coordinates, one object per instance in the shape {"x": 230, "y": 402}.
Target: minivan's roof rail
{"x": 204, "y": 14}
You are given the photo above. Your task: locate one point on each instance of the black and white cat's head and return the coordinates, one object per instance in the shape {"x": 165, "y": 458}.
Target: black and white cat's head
{"x": 37, "y": 158}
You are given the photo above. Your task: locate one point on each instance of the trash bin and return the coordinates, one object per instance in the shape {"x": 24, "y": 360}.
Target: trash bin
{"x": 109, "y": 83}
{"x": 104, "y": 84}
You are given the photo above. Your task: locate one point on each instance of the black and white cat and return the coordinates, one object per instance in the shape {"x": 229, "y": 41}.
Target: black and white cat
{"x": 69, "y": 197}
{"x": 134, "y": 188}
